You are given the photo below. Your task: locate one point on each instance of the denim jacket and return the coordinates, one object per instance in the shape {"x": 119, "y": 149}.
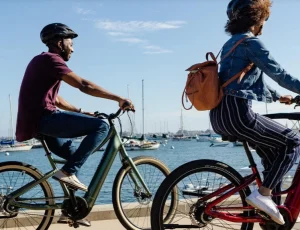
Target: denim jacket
{"x": 253, "y": 86}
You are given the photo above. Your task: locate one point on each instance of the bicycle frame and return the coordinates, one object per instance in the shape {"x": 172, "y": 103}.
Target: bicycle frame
{"x": 114, "y": 146}
{"x": 291, "y": 205}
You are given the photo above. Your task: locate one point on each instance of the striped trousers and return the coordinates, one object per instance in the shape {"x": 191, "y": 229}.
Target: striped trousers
{"x": 277, "y": 146}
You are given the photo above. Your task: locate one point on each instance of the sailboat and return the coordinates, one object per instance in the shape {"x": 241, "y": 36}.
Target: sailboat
{"x": 142, "y": 143}
{"x": 9, "y": 145}
{"x": 181, "y": 137}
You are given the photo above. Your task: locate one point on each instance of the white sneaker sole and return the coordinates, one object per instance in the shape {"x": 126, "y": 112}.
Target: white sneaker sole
{"x": 69, "y": 184}
{"x": 274, "y": 218}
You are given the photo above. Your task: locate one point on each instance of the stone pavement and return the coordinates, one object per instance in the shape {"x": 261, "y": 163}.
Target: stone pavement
{"x": 115, "y": 225}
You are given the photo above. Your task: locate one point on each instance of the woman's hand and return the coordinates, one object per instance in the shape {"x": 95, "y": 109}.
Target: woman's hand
{"x": 287, "y": 99}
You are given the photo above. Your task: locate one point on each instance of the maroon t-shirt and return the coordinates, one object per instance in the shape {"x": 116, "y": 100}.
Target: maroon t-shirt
{"x": 38, "y": 92}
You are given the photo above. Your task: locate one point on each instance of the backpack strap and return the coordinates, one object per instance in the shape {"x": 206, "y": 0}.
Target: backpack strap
{"x": 233, "y": 48}
{"x": 239, "y": 75}
{"x": 184, "y": 93}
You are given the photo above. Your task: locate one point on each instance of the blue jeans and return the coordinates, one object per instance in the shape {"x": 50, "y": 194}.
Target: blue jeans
{"x": 59, "y": 126}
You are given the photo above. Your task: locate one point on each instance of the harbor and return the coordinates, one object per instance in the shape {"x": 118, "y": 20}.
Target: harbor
{"x": 173, "y": 154}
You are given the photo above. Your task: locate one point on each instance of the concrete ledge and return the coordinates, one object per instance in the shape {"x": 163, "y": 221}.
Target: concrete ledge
{"x": 106, "y": 212}
{"x": 99, "y": 212}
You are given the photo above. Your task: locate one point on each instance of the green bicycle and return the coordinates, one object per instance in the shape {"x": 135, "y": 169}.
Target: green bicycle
{"x": 27, "y": 200}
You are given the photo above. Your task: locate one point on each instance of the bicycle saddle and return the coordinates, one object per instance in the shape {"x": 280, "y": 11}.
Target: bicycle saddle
{"x": 290, "y": 116}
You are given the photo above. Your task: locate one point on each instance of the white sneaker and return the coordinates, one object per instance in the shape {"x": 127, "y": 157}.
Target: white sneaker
{"x": 69, "y": 180}
{"x": 265, "y": 204}
{"x": 65, "y": 220}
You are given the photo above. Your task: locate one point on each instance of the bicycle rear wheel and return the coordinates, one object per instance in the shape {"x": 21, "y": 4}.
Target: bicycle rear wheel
{"x": 131, "y": 204}
{"x": 14, "y": 175}
{"x": 194, "y": 181}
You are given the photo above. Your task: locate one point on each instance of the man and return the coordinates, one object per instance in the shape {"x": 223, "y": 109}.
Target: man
{"x": 39, "y": 99}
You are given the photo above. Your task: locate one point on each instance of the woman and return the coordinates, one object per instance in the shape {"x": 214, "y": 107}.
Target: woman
{"x": 275, "y": 144}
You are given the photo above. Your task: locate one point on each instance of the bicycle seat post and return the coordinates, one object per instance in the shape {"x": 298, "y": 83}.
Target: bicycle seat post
{"x": 252, "y": 162}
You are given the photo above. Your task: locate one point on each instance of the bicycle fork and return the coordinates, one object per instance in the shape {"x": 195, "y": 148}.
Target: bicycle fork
{"x": 135, "y": 175}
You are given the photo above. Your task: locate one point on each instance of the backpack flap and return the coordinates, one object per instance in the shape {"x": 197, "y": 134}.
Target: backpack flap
{"x": 198, "y": 66}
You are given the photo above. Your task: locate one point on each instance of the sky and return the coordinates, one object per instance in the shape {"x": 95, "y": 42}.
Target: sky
{"x": 122, "y": 42}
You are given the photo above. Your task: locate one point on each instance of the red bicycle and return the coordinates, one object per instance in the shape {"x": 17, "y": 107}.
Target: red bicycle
{"x": 212, "y": 194}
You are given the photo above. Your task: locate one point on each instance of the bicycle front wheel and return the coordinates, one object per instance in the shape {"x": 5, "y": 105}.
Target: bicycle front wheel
{"x": 14, "y": 175}
{"x": 131, "y": 204}
{"x": 194, "y": 181}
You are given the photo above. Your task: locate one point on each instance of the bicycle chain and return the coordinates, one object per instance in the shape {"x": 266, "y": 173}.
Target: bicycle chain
{"x": 196, "y": 222}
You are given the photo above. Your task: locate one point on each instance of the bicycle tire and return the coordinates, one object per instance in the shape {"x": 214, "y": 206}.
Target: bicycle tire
{"x": 127, "y": 215}
{"x": 17, "y": 170}
{"x": 185, "y": 171}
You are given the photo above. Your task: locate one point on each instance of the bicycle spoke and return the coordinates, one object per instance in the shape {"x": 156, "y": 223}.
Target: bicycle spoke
{"x": 134, "y": 203}
{"x": 14, "y": 177}
{"x": 193, "y": 185}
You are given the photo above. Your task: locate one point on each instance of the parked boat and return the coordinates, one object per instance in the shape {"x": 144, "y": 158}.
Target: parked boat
{"x": 146, "y": 145}
{"x": 203, "y": 138}
{"x": 141, "y": 143}
{"x": 181, "y": 136}
{"x": 15, "y": 148}
{"x": 235, "y": 144}
{"x": 163, "y": 139}
{"x": 9, "y": 145}
{"x": 36, "y": 144}
{"x": 220, "y": 144}
{"x": 216, "y": 140}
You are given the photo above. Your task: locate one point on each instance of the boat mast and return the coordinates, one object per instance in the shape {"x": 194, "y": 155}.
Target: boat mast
{"x": 11, "y": 119}
{"x": 181, "y": 123}
{"x": 143, "y": 106}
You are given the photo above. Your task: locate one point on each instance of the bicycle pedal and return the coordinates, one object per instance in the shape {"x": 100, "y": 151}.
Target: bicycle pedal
{"x": 73, "y": 224}
{"x": 70, "y": 223}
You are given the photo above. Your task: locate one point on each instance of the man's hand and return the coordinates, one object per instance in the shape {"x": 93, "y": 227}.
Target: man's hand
{"x": 287, "y": 99}
{"x": 126, "y": 104}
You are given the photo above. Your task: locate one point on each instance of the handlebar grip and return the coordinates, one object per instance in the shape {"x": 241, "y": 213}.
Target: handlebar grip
{"x": 296, "y": 100}
{"x": 126, "y": 104}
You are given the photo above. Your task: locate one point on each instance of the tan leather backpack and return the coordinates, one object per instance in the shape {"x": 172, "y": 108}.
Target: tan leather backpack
{"x": 203, "y": 87}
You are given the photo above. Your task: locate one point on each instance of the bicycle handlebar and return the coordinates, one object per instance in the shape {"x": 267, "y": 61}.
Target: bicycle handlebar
{"x": 113, "y": 116}
{"x": 296, "y": 100}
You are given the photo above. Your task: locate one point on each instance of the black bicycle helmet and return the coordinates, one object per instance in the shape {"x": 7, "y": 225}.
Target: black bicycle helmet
{"x": 235, "y": 5}
{"x": 56, "y": 30}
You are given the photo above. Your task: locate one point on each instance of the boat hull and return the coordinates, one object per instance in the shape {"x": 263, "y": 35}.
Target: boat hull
{"x": 148, "y": 146}
{"x": 15, "y": 148}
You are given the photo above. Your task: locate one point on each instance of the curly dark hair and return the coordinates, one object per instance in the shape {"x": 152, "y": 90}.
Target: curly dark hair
{"x": 250, "y": 15}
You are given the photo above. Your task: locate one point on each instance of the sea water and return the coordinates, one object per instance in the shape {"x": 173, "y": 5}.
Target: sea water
{"x": 173, "y": 154}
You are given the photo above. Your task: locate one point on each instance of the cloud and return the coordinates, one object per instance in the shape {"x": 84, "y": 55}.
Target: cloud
{"x": 132, "y": 40}
{"x": 126, "y": 31}
{"x": 132, "y": 26}
{"x": 162, "y": 51}
{"x": 113, "y": 33}
{"x": 83, "y": 11}
{"x": 151, "y": 49}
